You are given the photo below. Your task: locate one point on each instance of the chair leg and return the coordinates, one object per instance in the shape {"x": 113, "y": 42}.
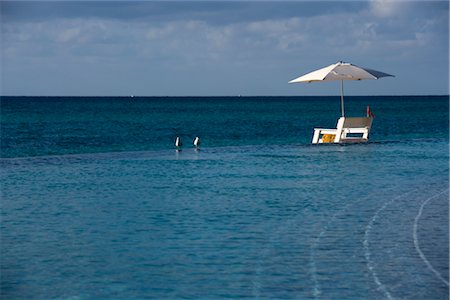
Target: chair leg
{"x": 366, "y": 135}
{"x": 337, "y": 138}
{"x": 316, "y": 136}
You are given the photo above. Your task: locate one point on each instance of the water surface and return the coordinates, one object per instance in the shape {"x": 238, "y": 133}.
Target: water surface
{"x": 97, "y": 204}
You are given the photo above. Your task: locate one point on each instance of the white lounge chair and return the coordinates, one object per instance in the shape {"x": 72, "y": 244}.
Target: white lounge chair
{"x": 348, "y": 130}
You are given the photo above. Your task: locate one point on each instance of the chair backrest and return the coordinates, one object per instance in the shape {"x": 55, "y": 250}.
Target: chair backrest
{"x": 360, "y": 122}
{"x": 345, "y": 126}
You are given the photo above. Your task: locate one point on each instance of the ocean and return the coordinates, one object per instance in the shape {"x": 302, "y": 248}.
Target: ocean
{"x": 97, "y": 203}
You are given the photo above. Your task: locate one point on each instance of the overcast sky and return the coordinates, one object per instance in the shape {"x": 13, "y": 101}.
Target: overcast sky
{"x": 184, "y": 48}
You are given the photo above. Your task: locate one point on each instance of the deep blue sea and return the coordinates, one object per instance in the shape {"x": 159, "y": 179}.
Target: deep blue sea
{"x": 96, "y": 202}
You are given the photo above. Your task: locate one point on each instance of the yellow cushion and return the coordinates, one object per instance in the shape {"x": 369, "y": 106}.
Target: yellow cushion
{"x": 328, "y": 138}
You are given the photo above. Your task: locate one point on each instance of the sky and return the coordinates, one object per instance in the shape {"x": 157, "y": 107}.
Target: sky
{"x": 220, "y": 48}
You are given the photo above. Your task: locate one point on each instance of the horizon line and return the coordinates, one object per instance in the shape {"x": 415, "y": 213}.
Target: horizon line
{"x": 216, "y": 96}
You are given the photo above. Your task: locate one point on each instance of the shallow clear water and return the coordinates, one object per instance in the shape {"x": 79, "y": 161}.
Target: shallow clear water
{"x": 253, "y": 216}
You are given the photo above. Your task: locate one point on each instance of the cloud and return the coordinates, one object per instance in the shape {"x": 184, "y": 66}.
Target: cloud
{"x": 197, "y": 39}
{"x": 263, "y": 40}
{"x": 283, "y": 34}
{"x": 69, "y": 34}
{"x": 386, "y": 8}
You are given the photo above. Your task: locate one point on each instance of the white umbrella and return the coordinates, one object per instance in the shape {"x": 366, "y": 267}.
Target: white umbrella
{"x": 340, "y": 71}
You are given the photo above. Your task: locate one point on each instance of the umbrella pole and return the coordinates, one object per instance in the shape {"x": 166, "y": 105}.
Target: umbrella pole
{"x": 342, "y": 97}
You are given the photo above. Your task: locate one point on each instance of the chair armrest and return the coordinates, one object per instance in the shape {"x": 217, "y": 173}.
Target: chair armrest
{"x": 356, "y": 130}
{"x": 318, "y": 131}
{"x": 325, "y": 130}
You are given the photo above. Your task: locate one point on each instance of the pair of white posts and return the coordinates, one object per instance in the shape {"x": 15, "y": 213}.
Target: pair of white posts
{"x": 196, "y": 142}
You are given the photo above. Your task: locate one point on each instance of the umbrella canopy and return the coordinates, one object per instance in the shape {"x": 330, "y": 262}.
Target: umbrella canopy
{"x": 340, "y": 71}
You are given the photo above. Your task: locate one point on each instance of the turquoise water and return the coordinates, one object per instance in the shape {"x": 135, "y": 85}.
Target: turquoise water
{"x": 97, "y": 204}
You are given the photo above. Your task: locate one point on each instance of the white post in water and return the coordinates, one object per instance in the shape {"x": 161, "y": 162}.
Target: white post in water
{"x": 178, "y": 143}
{"x": 196, "y": 142}
{"x": 342, "y": 97}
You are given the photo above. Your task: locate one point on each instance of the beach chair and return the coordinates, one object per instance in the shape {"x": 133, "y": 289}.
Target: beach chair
{"x": 348, "y": 130}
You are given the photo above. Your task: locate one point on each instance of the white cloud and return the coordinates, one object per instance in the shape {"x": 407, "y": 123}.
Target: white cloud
{"x": 285, "y": 34}
{"x": 68, "y": 35}
{"x": 385, "y": 8}
{"x": 155, "y": 33}
{"x": 191, "y": 33}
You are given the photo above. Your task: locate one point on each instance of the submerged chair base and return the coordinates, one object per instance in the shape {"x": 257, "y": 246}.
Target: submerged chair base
{"x": 348, "y": 130}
